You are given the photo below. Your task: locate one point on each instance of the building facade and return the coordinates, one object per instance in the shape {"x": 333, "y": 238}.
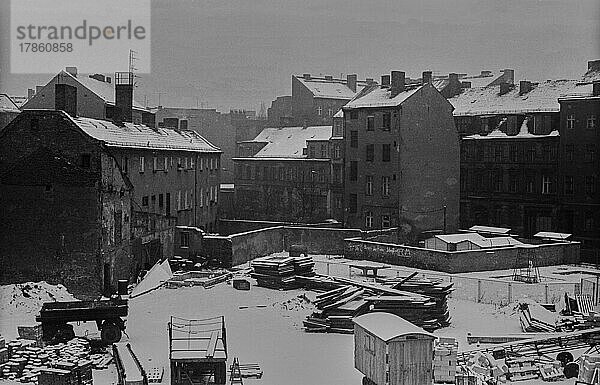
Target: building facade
{"x": 8, "y": 110}
{"x": 284, "y": 174}
{"x": 401, "y": 159}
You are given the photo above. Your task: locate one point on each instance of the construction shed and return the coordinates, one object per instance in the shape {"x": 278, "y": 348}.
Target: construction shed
{"x": 390, "y": 350}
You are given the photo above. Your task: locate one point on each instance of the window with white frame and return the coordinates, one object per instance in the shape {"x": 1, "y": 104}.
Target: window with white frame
{"x": 185, "y": 200}
{"x": 591, "y": 122}
{"x": 369, "y": 219}
{"x": 369, "y": 343}
{"x": 192, "y": 162}
{"x": 369, "y": 185}
{"x": 201, "y": 164}
{"x": 319, "y": 110}
{"x": 571, "y": 121}
{"x": 546, "y": 184}
{"x": 385, "y": 186}
{"x": 142, "y": 164}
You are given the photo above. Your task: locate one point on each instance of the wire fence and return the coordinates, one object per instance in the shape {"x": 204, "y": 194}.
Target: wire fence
{"x": 481, "y": 290}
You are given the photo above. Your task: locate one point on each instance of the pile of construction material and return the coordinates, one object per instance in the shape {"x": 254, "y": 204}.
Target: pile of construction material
{"x": 486, "y": 367}
{"x": 589, "y": 369}
{"x": 280, "y": 272}
{"x": 65, "y": 363}
{"x": 345, "y": 298}
{"x": 204, "y": 278}
{"x": 534, "y": 318}
{"x": 445, "y": 354}
{"x": 580, "y": 313}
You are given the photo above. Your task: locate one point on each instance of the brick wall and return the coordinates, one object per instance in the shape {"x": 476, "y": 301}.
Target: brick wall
{"x": 459, "y": 261}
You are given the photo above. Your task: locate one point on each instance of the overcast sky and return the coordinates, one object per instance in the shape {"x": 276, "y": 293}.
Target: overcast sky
{"x": 235, "y": 54}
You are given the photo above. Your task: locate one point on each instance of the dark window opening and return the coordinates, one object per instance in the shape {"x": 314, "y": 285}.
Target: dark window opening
{"x": 86, "y": 160}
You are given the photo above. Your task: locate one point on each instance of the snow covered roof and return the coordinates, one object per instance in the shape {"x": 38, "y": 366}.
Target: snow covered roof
{"x": 289, "y": 142}
{"x": 581, "y": 91}
{"x": 592, "y": 75}
{"x": 7, "y": 104}
{"x": 457, "y": 238}
{"x": 132, "y": 135}
{"x": 552, "y": 235}
{"x": 330, "y": 88}
{"x": 523, "y": 134}
{"x": 479, "y": 240}
{"x": 489, "y": 229}
{"x": 487, "y": 100}
{"x": 482, "y": 80}
{"x": 387, "y": 326}
{"x": 376, "y": 96}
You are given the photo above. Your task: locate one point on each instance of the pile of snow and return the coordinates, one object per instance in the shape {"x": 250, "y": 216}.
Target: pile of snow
{"x": 25, "y": 298}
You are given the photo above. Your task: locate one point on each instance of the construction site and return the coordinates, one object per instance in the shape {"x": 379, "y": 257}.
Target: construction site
{"x": 297, "y": 316}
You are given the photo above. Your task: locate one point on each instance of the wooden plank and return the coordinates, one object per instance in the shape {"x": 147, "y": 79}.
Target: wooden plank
{"x": 381, "y": 288}
{"x": 212, "y": 344}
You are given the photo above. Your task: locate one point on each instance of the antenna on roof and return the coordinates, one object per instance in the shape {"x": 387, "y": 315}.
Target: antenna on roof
{"x": 132, "y": 59}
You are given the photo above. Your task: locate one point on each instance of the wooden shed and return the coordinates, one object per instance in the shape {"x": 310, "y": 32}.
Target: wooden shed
{"x": 390, "y": 350}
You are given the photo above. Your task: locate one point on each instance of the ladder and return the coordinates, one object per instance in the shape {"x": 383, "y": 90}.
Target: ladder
{"x": 236, "y": 374}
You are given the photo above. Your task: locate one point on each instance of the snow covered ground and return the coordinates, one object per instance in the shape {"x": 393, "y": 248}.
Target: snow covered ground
{"x": 264, "y": 326}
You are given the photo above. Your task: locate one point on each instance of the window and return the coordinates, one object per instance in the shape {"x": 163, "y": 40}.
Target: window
{"x": 192, "y": 162}
{"x": 369, "y": 343}
{"x": 569, "y": 186}
{"x": 179, "y": 165}
{"x": 124, "y": 164}
{"x": 86, "y": 160}
{"x": 498, "y": 153}
{"x": 142, "y": 164}
{"x": 353, "y": 203}
{"x": 370, "y": 148}
{"x": 590, "y": 184}
{"x": 353, "y": 170}
{"x": 319, "y": 110}
{"x": 385, "y": 221}
{"x": 387, "y": 121}
{"x": 336, "y": 151}
{"x": 370, "y": 123}
{"x": 185, "y": 200}
{"x": 385, "y": 186}
{"x": 145, "y": 201}
{"x": 569, "y": 150}
{"x": 323, "y": 151}
{"x": 216, "y": 194}
{"x": 588, "y": 221}
{"x": 546, "y": 184}
{"x": 512, "y": 153}
{"x": 201, "y": 198}
{"x": 178, "y": 200}
{"x": 498, "y": 181}
{"x": 354, "y": 139}
{"x": 185, "y": 239}
{"x": 571, "y": 121}
{"x": 329, "y": 112}
{"x": 185, "y": 163}
{"x": 531, "y": 154}
{"x": 590, "y": 153}
{"x": 353, "y": 115}
{"x": 154, "y": 163}
{"x": 369, "y": 185}
{"x": 385, "y": 153}
{"x": 153, "y": 200}
{"x": 369, "y": 219}
{"x": 161, "y": 199}
{"x": 529, "y": 184}
{"x": 337, "y": 127}
{"x": 513, "y": 183}
{"x": 591, "y": 122}
{"x": 166, "y": 164}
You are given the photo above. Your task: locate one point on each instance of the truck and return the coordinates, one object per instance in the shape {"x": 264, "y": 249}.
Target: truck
{"x": 107, "y": 313}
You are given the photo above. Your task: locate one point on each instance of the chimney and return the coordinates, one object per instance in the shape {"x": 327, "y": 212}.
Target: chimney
{"x": 351, "y": 82}
{"x": 30, "y": 93}
{"x": 505, "y": 88}
{"x": 172, "y": 123}
{"x": 65, "y": 99}
{"x": 596, "y": 88}
{"x": 328, "y": 78}
{"x": 398, "y": 79}
{"x": 72, "y": 71}
{"x": 38, "y": 89}
{"x": 370, "y": 81}
{"x": 427, "y": 77}
{"x": 486, "y": 73}
{"x": 306, "y": 76}
{"x": 594, "y": 65}
{"x": 524, "y": 87}
{"x": 509, "y": 76}
{"x": 385, "y": 80}
{"x": 123, "y": 97}
{"x": 108, "y": 79}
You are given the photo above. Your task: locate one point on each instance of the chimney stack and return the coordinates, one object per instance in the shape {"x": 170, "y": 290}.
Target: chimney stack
{"x": 38, "y": 88}
{"x": 72, "y": 71}
{"x": 30, "y": 93}
{"x": 370, "y": 81}
{"x": 509, "y": 76}
{"x": 99, "y": 77}
{"x": 65, "y": 99}
{"x": 594, "y": 65}
{"x": 505, "y": 88}
{"x": 524, "y": 87}
{"x": 351, "y": 82}
{"x": 306, "y": 76}
{"x": 328, "y": 78}
{"x": 596, "y": 88}
{"x": 385, "y": 80}
{"x": 427, "y": 77}
{"x": 398, "y": 79}
{"x": 123, "y": 97}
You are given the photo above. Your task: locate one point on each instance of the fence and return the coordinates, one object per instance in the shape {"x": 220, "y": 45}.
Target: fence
{"x": 481, "y": 290}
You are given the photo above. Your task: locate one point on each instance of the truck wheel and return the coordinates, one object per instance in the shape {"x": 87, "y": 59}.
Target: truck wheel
{"x": 110, "y": 332}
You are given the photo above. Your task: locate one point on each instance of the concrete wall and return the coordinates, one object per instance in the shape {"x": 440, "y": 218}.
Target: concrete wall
{"x": 457, "y": 261}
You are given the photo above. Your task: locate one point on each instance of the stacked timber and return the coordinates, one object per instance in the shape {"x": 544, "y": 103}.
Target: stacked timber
{"x": 534, "y": 318}
{"x": 279, "y": 272}
{"x": 336, "y": 308}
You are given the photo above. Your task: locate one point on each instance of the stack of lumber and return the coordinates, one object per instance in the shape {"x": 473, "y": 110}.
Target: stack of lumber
{"x": 336, "y": 310}
{"x": 54, "y": 364}
{"x": 589, "y": 369}
{"x": 534, "y": 318}
{"x": 445, "y": 354}
{"x": 279, "y": 272}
